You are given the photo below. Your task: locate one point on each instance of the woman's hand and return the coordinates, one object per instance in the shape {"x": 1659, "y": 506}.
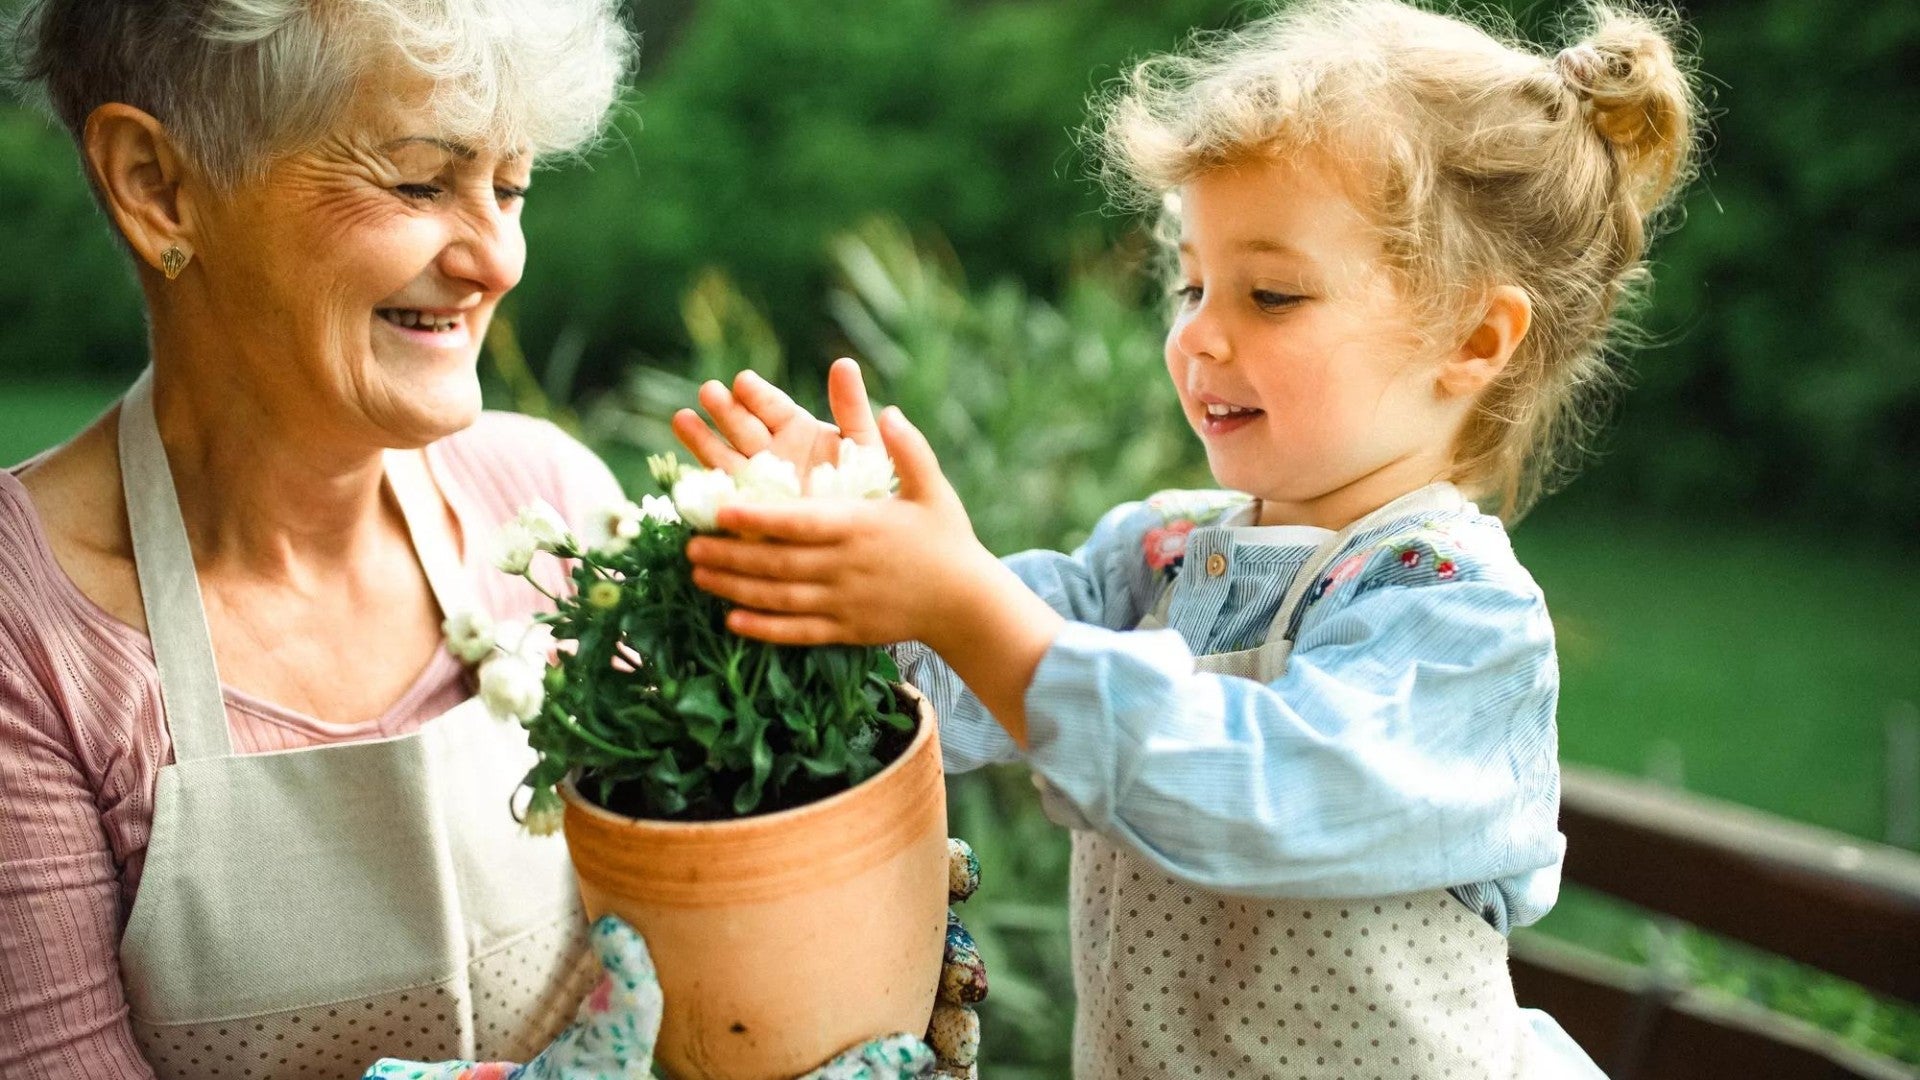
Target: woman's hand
{"x": 756, "y": 416}
{"x": 614, "y": 1031}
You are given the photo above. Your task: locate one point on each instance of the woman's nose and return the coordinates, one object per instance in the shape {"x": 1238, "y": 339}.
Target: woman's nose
{"x": 488, "y": 252}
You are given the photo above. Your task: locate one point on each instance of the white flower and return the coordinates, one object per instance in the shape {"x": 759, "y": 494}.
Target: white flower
{"x": 545, "y": 525}
{"x": 666, "y": 469}
{"x": 513, "y": 547}
{"x": 609, "y": 529}
{"x": 768, "y": 478}
{"x": 470, "y": 635}
{"x": 658, "y": 508}
{"x": 545, "y": 813}
{"x": 531, "y": 641}
{"x": 512, "y": 686}
{"x": 700, "y": 493}
{"x": 864, "y": 472}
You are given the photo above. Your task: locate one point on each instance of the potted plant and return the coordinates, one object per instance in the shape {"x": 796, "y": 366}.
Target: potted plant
{"x": 772, "y": 819}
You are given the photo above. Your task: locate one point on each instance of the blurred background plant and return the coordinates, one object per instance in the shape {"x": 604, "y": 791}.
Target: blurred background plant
{"x": 1734, "y": 582}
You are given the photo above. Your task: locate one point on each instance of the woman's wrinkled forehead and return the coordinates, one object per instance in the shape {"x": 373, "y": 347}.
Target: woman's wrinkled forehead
{"x": 392, "y": 109}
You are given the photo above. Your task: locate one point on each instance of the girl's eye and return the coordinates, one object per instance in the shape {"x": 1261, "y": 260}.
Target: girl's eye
{"x": 1267, "y": 300}
{"x": 1187, "y": 294}
{"x": 420, "y": 192}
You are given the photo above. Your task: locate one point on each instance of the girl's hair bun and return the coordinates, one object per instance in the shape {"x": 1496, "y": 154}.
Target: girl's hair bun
{"x": 1638, "y": 97}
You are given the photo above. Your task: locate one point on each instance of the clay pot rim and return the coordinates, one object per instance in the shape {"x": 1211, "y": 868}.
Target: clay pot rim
{"x": 925, "y": 729}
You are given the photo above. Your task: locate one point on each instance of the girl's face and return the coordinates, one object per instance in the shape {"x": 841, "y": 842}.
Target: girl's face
{"x": 1295, "y": 356}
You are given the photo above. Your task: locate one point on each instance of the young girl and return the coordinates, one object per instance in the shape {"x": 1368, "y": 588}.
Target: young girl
{"x": 1302, "y": 727}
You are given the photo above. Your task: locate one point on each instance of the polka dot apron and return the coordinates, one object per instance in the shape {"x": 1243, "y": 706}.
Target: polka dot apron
{"x": 305, "y": 912}
{"x": 1175, "y": 981}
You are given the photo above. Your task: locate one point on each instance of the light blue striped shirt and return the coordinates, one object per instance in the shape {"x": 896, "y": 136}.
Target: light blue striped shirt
{"x": 1409, "y": 745}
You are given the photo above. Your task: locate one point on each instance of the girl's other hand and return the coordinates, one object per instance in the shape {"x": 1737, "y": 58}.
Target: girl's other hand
{"x": 867, "y": 571}
{"x": 755, "y": 416}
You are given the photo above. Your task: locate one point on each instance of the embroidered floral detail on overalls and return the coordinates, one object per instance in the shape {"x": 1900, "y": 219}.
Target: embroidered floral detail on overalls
{"x": 1425, "y": 556}
{"x": 1181, "y": 512}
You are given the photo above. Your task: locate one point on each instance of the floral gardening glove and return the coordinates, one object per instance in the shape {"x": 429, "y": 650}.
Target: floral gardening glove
{"x": 613, "y": 1032}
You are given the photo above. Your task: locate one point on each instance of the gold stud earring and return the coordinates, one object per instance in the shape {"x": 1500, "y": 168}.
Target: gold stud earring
{"x": 172, "y": 261}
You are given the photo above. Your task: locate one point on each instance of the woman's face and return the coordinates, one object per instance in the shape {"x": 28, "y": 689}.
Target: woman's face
{"x": 1295, "y": 357}
{"x": 356, "y": 280}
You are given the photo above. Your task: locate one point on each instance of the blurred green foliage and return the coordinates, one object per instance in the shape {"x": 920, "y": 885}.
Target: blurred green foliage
{"x": 1785, "y": 378}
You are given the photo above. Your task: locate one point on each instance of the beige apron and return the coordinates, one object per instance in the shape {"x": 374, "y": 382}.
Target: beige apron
{"x": 1173, "y": 980}
{"x": 305, "y": 912}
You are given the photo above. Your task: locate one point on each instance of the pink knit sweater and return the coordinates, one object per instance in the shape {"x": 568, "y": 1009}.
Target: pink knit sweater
{"x": 81, "y": 745}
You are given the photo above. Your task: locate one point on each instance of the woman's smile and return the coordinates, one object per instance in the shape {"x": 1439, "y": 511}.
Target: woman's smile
{"x": 427, "y": 327}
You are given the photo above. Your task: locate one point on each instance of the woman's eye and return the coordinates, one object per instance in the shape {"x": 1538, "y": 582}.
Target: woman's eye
{"x": 422, "y": 192}
{"x": 1268, "y": 300}
{"x": 507, "y": 193}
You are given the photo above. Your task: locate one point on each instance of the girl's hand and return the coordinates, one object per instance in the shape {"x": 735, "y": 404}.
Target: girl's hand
{"x": 756, "y": 415}
{"x": 876, "y": 571}
{"x": 845, "y": 571}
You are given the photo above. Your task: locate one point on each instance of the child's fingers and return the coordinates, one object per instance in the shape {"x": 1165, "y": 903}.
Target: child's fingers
{"x": 789, "y": 629}
{"x": 824, "y": 522}
{"x": 767, "y": 402}
{"x": 786, "y": 562}
{"x": 847, "y": 394}
{"x": 913, "y": 458}
{"x": 764, "y": 594}
{"x": 740, "y": 427}
{"x": 709, "y": 449}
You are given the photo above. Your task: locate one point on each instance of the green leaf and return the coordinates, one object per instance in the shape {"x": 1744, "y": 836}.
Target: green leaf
{"x": 665, "y": 773}
{"x": 702, "y": 698}
{"x": 748, "y": 795}
{"x": 835, "y": 664}
{"x": 831, "y": 761}
{"x": 778, "y": 685}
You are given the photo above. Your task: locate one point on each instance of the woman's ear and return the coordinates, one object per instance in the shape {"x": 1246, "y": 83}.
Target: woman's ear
{"x": 139, "y": 173}
{"x": 1489, "y": 344}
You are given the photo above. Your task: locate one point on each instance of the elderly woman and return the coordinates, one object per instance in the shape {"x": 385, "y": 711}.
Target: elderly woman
{"x": 252, "y": 822}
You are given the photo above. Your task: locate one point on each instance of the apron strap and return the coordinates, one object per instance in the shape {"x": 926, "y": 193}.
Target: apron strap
{"x": 194, "y": 710}
{"x": 1437, "y": 496}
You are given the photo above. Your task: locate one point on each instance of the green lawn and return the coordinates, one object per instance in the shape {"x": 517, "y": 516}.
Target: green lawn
{"x": 1766, "y": 659}
{"x": 1758, "y": 662}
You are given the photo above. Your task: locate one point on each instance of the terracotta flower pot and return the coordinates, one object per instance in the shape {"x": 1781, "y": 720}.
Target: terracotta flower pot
{"x": 784, "y": 938}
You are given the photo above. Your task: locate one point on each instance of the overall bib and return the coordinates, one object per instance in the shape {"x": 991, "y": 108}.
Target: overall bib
{"x": 305, "y": 912}
{"x": 1174, "y": 980}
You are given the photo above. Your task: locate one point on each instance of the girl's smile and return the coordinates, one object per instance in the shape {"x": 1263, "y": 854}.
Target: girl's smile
{"x": 1221, "y": 417}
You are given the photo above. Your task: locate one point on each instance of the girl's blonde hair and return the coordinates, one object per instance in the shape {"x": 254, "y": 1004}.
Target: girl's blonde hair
{"x": 1487, "y": 162}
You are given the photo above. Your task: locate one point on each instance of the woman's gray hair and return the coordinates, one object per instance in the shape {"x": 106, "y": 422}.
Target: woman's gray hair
{"x": 238, "y": 81}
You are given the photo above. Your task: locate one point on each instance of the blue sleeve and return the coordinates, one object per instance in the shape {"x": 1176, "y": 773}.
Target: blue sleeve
{"x": 1102, "y": 582}
{"x": 1409, "y": 745}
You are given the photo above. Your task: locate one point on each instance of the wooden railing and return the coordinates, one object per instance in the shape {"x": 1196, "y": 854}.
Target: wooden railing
{"x": 1838, "y": 904}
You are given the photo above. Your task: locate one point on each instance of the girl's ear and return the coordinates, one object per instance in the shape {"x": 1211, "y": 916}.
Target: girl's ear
{"x": 139, "y": 172}
{"x": 1489, "y": 344}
